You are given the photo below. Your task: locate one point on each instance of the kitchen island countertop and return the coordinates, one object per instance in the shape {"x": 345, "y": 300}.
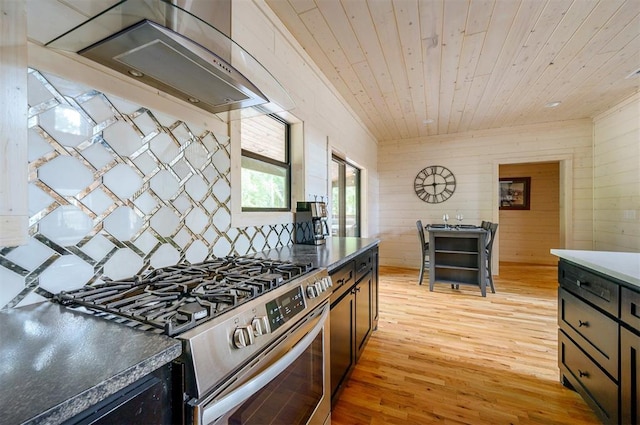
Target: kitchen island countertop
{"x": 57, "y": 362}
{"x": 334, "y": 253}
{"x": 624, "y": 266}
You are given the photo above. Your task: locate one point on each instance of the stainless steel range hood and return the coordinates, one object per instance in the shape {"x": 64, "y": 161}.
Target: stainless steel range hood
{"x": 168, "y": 47}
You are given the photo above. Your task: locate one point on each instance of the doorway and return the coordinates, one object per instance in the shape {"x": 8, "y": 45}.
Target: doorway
{"x": 528, "y": 235}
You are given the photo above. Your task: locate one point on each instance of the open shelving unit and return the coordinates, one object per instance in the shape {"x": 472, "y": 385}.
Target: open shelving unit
{"x": 457, "y": 257}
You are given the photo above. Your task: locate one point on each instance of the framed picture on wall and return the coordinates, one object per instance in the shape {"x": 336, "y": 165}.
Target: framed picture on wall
{"x": 515, "y": 193}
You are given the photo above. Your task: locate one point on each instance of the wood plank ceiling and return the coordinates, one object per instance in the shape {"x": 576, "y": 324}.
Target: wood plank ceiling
{"x": 412, "y": 68}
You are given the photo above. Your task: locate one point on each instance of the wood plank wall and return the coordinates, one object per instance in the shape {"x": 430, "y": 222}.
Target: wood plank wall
{"x": 526, "y": 236}
{"x": 13, "y": 118}
{"x": 474, "y": 158}
{"x": 617, "y": 178}
{"x": 328, "y": 124}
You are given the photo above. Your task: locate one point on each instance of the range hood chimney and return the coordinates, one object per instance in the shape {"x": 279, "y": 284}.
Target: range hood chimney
{"x": 168, "y": 47}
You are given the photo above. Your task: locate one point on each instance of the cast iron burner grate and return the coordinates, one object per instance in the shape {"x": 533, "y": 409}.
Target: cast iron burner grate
{"x": 177, "y": 298}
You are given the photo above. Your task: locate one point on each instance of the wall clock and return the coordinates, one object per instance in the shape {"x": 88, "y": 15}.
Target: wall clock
{"x": 435, "y": 184}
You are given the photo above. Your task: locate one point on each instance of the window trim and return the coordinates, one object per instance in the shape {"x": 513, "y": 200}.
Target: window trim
{"x": 241, "y": 218}
{"x": 286, "y": 165}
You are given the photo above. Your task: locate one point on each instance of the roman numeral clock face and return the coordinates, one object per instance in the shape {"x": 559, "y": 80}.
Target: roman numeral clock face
{"x": 435, "y": 184}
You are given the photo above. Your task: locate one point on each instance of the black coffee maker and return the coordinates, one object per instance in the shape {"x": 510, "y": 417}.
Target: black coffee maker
{"x": 311, "y": 226}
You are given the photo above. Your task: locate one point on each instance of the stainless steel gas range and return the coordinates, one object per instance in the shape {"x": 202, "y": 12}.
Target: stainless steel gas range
{"x": 255, "y": 335}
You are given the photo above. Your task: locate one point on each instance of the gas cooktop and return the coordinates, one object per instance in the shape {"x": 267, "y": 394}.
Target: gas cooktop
{"x": 172, "y": 300}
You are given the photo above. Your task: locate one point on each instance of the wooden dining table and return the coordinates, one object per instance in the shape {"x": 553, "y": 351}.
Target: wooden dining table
{"x": 457, "y": 256}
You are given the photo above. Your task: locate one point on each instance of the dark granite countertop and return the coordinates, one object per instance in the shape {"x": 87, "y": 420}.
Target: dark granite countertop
{"x": 57, "y": 362}
{"x": 331, "y": 255}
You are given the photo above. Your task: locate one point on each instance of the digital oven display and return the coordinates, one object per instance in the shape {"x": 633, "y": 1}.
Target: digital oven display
{"x": 283, "y": 308}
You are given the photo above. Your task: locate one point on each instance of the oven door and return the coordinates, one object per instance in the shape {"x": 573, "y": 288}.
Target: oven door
{"x": 287, "y": 384}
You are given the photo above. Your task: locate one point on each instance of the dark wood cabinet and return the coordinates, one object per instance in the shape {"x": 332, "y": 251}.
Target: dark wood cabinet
{"x": 375, "y": 310}
{"x": 582, "y": 374}
{"x": 629, "y": 377}
{"x": 146, "y": 401}
{"x": 598, "y": 341}
{"x": 630, "y": 357}
{"x": 363, "y": 319}
{"x": 342, "y": 352}
{"x": 594, "y": 332}
{"x": 354, "y": 314}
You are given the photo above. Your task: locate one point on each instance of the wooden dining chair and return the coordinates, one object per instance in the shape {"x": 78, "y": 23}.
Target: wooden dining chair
{"x": 492, "y": 228}
{"x": 424, "y": 251}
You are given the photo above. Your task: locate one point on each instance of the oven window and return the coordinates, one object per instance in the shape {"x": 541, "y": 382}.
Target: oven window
{"x": 291, "y": 397}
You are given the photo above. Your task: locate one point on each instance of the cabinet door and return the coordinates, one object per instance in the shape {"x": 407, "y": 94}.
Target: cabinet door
{"x": 363, "y": 313}
{"x": 594, "y": 332}
{"x": 585, "y": 376}
{"x": 629, "y": 376}
{"x": 147, "y": 401}
{"x": 342, "y": 355}
{"x": 374, "y": 291}
{"x": 343, "y": 279}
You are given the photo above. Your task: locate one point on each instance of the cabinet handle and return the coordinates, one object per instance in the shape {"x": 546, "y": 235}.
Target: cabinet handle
{"x": 581, "y": 323}
{"x": 581, "y": 283}
{"x": 582, "y": 374}
{"x": 340, "y": 282}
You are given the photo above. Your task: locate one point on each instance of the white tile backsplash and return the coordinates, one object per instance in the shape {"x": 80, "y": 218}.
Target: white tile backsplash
{"x": 98, "y": 156}
{"x": 165, "y": 255}
{"x": 123, "y": 223}
{"x": 122, "y": 138}
{"x": 115, "y": 190}
{"x": 98, "y": 247}
{"x": 66, "y": 125}
{"x": 66, "y": 225}
{"x": 124, "y": 263}
{"x": 66, "y": 273}
{"x": 66, "y": 175}
{"x": 122, "y": 181}
{"x": 37, "y": 146}
{"x": 164, "y": 185}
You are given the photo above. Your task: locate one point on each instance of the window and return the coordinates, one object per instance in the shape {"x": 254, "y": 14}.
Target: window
{"x": 345, "y": 198}
{"x": 265, "y": 164}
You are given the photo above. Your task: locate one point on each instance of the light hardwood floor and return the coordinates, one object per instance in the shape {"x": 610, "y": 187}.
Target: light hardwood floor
{"x": 453, "y": 357}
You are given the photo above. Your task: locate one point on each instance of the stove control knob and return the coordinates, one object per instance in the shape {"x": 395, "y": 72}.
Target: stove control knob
{"x": 323, "y": 285}
{"x": 312, "y": 291}
{"x": 243, "y": 336}
{"x": 260, "y": 325}
{"x": 328, "y": 281}
{"x": 319, "y": 287}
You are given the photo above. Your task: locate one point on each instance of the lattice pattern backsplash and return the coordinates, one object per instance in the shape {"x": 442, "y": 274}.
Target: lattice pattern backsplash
{"x": 116, "y": 189}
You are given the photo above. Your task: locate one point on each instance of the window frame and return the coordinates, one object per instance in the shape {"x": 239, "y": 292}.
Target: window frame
{"x": 285, "y": 165}
{"x": 343, "y": 163}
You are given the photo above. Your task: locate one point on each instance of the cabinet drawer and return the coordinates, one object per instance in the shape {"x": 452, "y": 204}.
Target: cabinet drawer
{"x": 343, "y": 279}
{"x": 363, "y": 263}
{"x": 595, "y": 387}
{"x": 592, "y": 330}
{"x": 630, "y": 308}
{"x": 601, "y": 292}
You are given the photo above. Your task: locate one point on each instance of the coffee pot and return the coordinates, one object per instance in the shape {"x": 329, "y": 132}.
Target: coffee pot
{"x": 311, "y": 226}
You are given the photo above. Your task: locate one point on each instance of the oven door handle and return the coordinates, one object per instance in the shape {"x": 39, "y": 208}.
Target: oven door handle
{"x": 240, "y": 395}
